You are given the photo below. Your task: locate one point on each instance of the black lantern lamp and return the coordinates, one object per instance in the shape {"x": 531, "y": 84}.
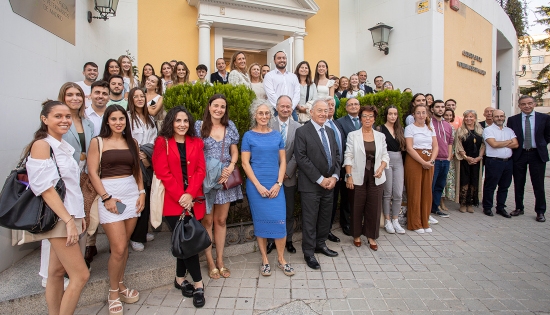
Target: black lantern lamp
{"x": 105, "y": 8}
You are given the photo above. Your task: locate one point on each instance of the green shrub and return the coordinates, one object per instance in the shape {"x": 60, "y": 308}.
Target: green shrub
{"x": 381, "y": 100}
{"x": 195, "y": 98}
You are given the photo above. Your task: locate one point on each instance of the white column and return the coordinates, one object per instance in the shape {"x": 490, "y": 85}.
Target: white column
{"x": 298, "y": 47}
{"x": 204, "y": 42}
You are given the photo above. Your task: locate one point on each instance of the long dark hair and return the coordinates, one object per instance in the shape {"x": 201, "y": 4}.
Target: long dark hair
{"x": 308, "y": 77}
{"x": 143, "y": 78}
{"x": 397, "y": 128}
{"x": 167, "y": 129}
{"x": 206, "y": 127}
{"x": 42, "y": 132}
{"x": 411, "y": 106}
{"x": 132, "y": 109}
{"x": 316, "y": 79}
{"x": 172, "y": 76}
{"x": 106, "y": 74}
{"x": 106, "y": 133}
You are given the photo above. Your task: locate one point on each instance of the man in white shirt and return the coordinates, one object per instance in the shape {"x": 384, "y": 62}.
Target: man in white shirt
{"x": 90, "y": 73}
{"x": 100, "y": 97}
{"x": 116, "y": 91}
{"x": 499, "y": 142}
{"x": 279, "y": 82}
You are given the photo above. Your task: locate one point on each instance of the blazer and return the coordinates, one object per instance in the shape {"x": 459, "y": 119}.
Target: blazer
{"x": 542, "y": 134}
{"x": 216, "y": 77}
{"x": 72, "y": 137}
{"x": 311, "y": 159}
{"x": 167, "y": 167}
{"x": 356, "y": 157}
{"x": 367, "y": 89}
{"x": 291, "y": 165}
{"x": 347, "y": 125}
{"x": 342, "y": 139}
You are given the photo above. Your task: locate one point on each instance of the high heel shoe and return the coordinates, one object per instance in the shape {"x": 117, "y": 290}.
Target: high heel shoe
{"x": 129, "y": 296}
{"x": 114, "y": 304}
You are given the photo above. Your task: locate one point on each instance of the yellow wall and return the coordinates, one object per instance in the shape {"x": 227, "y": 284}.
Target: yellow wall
{"x": 467, "y": 30}
{"x": 159, "y": 41}
{"x": 323, "y": 33}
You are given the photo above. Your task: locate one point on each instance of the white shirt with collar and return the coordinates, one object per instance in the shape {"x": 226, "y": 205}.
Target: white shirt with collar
{"x": 95, "y": 118}
{"x": 504, "y": 134}
{"x": 277, "y": 83}
{"x": 318, "y": 129}
{"x": 532, "y": 120}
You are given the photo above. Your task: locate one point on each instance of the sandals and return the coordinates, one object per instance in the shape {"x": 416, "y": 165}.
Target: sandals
{"x": 265, "y": 270}
{"x": 114, "y": 304}
{"x": 129, "y": 296}
{"x": 225, "y": 272}
{"x": 286, "y": 268}
{"x": 214, "y": 274}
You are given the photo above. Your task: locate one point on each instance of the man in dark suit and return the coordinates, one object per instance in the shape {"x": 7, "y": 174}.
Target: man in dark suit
{"x": 533, "y": 134}
{"x": 221, "y": 75}
{"x": 318, "y": 160}
{"x": 348, "y": 123}
{"x": 488, "y": 114}
{"x": 363, "y": 82}
{"x": 287, "y": 127}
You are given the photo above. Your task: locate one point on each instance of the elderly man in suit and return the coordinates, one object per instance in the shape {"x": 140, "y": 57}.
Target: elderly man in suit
{"x": 533, "y": 134}
{"x": 318, "y": 160}
{"x": 287, "y": 127}
{"x": 348, "y": 123}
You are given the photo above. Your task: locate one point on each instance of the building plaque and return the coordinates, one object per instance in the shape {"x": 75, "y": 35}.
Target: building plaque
{"x": 55, "y": 16}
{"x": 422, "y": 6}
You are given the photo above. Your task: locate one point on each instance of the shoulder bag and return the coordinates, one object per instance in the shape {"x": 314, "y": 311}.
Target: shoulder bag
{"x": 189, "y": 236}
{"x": 157, "y": 198}
{"x": 235, "y": 179}
{"x": 93, "y": 212}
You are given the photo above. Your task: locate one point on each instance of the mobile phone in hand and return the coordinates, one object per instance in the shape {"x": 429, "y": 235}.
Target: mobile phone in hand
{"x": 120, "y": 207}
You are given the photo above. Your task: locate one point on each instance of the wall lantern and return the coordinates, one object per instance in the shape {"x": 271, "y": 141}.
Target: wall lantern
{"x": 380, "y": 36}
{"x": 105, "y": 8}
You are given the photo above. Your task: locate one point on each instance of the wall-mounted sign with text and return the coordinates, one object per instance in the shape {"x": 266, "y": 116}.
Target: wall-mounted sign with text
{"x": 422, "y": 6}
{"x": 471, "y": 66}
{"x": 440, "y": 6}
{"x": 55, "y": 16}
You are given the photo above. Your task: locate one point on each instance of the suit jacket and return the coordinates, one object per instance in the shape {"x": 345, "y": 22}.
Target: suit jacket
{"x": 347, "y": 125}
{"x": 216, "y": 77}
{"x": 291, "y": 165}
{"x": 167, "y": 167}
{"x": 542, "y": 134}
{"x": 72, "y": 137}
{"x": 311, "y": 159}
{"x": 356, "y": 157}
{"x": 342, "y": 138}
{"x": 367, "y": 89}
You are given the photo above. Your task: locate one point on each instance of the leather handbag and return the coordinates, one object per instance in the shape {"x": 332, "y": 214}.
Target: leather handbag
{"x": 189, "y": 236}
{"x": 156, "y": 202}
{"x": 21, "y": 209}
{"x": 235, "y": 179}
{"x": 93, "y": 212}
{"x": 89, "y": 194}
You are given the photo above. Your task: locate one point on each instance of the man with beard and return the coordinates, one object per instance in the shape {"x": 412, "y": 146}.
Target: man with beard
{"x": 444, "y": 135}
{"x": 279, "y": 82}
{"x": 265, "y": 70}
{"x": 378, "y": 84}
{"x": 90, "y": 73}
{"x": 116, "y": 91}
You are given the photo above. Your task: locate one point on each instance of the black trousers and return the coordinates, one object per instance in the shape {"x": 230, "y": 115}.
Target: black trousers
{"x": 316, "y": 213}
{"x": 290, "y": 191}
{"x": 537, "y": 169}
{"x": 142, "y": 225}
{"x": 345, "y": 209}
{"x": 190, "y": 264}
{"x": 497, "y": 173}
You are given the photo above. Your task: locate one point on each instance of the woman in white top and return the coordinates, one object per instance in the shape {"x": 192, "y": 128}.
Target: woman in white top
{"x": 256, "y": 81}
{"x": 325, "y": 87}
{"x": 127, "y": 72}
{"x": 167, "y": 74}
{"x": 353, "y": 89}
{"x": 238, "y": 73}
{"x": 153, "y": 88}
{"x": 308, "y": 91}
{"x": 182, "y": 73}
{"x": 422, "y": 151}
{"x": 44, "y": 169}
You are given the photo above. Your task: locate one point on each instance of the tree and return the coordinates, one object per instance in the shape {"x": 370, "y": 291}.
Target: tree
{"x": 516, "y": 11}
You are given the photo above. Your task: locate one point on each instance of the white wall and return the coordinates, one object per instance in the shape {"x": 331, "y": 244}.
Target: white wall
{"x": 35, "y": 65}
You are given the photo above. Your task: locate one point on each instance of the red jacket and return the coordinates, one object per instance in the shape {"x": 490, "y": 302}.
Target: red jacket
{"x": 168, "y": 170}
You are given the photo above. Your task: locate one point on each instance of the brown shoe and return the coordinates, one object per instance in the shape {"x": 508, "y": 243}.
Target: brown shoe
{"x": 470, "y": 209}
{"x": 462, "y": 209}
{"x": 91, "y": 251}
{"x": 357, "y": 243}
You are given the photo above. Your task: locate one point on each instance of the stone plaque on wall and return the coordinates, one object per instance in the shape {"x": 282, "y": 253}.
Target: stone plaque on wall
{"x": 55, "y": 16}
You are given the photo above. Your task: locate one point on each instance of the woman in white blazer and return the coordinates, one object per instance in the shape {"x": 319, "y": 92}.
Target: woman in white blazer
{"x": 365, "y": 159}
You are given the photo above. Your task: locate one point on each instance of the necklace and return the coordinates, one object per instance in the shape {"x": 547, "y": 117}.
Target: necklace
{"x": 473, "y": 135}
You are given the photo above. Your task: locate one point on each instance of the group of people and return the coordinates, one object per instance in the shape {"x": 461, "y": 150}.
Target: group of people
{"x": 117, "y": 133}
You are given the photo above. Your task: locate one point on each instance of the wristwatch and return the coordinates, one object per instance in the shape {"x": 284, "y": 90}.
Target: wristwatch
{"x": 142, "y": 191}
{"x": 280, "y": 184}
{"x": 347, "y": 176}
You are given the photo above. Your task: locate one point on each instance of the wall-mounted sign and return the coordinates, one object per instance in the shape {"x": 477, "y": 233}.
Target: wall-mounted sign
{"x": 55, "y": 16}
{"x": 422, "y": 6}
{"x": 440, "y": 6}
{"x": 471, "y": 56}
{"x": 471, "y": 68}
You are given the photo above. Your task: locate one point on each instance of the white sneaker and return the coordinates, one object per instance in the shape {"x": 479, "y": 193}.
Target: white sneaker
{"x": 65, "y": 282}
{"x": 137, "y": 246}
{"x": 150, "y": 237}
{"x": 397, "y": 227}
{"x": 431, "y": 220}
{"x": 428, "y": 230}
{"x": 389, "y": 227}
{"x": 419, "y": 231}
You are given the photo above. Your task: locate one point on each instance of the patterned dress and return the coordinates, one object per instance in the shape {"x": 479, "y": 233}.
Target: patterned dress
{"x": 449, "y": 192}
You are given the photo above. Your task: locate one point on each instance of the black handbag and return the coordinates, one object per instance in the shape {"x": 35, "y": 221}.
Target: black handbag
{"x": 21, "y": 209}
{"x": 189, "y": 236}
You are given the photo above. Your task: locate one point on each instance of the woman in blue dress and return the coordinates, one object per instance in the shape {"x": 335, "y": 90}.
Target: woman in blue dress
{"x": 264, "y": 162}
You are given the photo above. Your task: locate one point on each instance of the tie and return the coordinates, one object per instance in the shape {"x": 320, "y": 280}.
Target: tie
{"x": 527, "y": 144}
{"x": 356, "y": 122}
{"x": 283, "y": 132}
{"x": 325, "y": 146}
{"x": 337, "y": 138}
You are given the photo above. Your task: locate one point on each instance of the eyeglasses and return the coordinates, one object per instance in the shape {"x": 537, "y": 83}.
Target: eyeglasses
{"x": 367, "y": 116}
{"x": 261, "y": 114}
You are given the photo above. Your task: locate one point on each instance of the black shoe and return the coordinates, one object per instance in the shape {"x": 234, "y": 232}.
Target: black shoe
{"x": 270, "y": 247}
{"x": 346, "y": 230}
{"x": 504, "y": 213}
{"x": 198, "y": 298}
{"x": 326, "y": 251}
{"x": 333, "y": 238}
{"x": 290, "y": 248}
{"x": 90, "y": 252}
{"x": 185, "y": 287}
{"x": 311, "y": 262}
{"x": 488, "y": 212}
{"x": 517, "y": 212}
{"x": 540, "y": 217}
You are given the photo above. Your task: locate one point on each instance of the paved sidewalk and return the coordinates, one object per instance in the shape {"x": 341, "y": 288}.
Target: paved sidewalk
{"x": 470, "y": 264}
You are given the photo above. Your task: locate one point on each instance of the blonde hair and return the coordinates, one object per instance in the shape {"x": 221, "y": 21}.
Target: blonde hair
{"x": 463, "y": 131}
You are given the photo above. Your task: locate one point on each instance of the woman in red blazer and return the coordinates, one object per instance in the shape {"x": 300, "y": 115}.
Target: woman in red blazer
{"x": 175, "y": 147}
